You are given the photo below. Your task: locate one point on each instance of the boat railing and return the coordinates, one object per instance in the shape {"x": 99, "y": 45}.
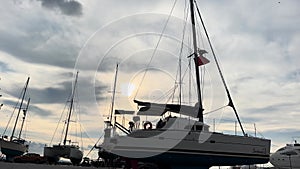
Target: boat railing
{"x": 230, "y": 126}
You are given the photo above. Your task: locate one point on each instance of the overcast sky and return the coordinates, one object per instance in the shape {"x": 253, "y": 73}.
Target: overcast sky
{"x": 256, "y": 42}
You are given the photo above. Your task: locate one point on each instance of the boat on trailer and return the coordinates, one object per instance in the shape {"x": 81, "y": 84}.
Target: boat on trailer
{"x": 66, "y": 149}
{"x": 184, "y": 142}
{"x": 16, "y": 145}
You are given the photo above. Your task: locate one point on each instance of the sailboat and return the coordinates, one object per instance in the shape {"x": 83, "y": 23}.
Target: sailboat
{"x": 287, "y": 156}
{"x": 185, "y": 142}
{"x": 102, "y": 153}
{"x": 67, "y": 148}
{"x": 15, "y": 145}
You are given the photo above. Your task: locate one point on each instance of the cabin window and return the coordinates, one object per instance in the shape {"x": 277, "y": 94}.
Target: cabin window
{"x": 289, "y": 153}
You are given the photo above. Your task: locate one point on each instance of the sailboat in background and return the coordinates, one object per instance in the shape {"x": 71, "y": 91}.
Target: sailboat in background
{"x": 15, "y": 145}
{"x": 70, "y": 151}
{"x": 185, "y": 142}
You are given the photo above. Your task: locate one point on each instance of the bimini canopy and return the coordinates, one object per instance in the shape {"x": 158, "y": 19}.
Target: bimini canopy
{"x": 157, "y": 109}
{"x": 120, "y": 112}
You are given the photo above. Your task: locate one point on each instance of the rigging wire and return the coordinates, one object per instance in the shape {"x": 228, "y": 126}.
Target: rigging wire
{"x": 62, "y": 113}
{"x": 155, "y": 49}
{"x": 95, "y": 145}
{"x": 11, "y": 116}
{"x": 180, "y": 54}
{"x": 212, "y": 111}
{"x": 220, "y": 72}
{"x": 78, "y": 117}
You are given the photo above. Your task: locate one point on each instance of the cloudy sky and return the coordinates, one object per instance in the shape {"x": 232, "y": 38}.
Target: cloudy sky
{"x": 256, "y": 42}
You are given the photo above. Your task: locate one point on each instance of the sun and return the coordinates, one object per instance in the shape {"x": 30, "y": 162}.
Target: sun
{"x": 127, "y": 89}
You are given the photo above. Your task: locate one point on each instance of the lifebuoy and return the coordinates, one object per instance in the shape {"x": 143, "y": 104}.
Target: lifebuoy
{"x": 147, "y": 125}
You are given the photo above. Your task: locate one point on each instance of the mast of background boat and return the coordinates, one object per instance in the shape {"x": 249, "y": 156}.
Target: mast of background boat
{"x": 23, "y": 120}
{"x": 114, "y": 93}
{"x": 200, "y": 108}
{"x": 20, "y": 107}
{"x": 71, "y": 107}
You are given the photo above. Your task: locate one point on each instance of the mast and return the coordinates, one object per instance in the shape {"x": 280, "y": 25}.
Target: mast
{"x": 200, "y": 108}
{"x": 71, "y": 107}
{"x": 114, "y": 93}
{"x": 23, "y": 120}
{"x": 20, "y": 107}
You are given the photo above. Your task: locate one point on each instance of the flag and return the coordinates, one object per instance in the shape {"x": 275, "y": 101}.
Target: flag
{"x": 201, "y": 60}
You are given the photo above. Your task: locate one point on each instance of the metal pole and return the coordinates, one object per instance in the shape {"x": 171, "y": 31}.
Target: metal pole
{"x": 200, "y": 109}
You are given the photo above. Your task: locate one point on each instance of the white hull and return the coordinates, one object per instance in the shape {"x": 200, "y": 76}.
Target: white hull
{"x": 287, "y": 157}
{"x": 12, "y": 148}
{"x": 207, "y": 148}
{"x": 217, "y": 142}
{"x": 285, "y": 163}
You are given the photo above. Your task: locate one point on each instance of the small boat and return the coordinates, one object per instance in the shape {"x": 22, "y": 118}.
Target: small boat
{"x": 16, "y": 145}
{"x": 67, "y": 148}
{"x": 287, "y": 156}
{"x": 184, "y": 140}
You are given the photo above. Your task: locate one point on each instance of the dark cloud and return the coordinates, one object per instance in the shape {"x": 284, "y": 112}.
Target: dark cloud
{"x": 39, "y": 111}
{"x": 100, "y": 91}
{"x": 293, "y": 76}
{"x": 31, "y": 109}
{"x": 67, "y": 7}
{"x": 4, "y": 67}
{"x": 41, "y": 42}
{"x": 52, "y": 94}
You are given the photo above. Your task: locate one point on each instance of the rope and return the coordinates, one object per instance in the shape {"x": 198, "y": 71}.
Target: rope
{"x": 155, "y": 49}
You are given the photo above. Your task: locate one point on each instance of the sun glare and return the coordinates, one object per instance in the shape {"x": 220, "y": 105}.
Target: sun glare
{"x": 127, "y": 89}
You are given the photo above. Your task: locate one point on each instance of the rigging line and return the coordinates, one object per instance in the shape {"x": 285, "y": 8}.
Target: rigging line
{"x": 181, "y": 49}
{"x": 155, "y": 49}
{"x": 180, "y": 56}
{"x": 215, "y": 110}
{"x": 78, "y": 116}
{"x": 220, "y": 72}
{"x": 169, "y": 92}
{"x": 58, "y": 124}
{"x": 173, "y": 93}
{"x": 12, "y": 114}
{"x": 10, "y": 118}
{"x": 94, "y": 145}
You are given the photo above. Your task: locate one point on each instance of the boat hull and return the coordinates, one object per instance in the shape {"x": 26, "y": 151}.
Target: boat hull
{"x": 70, "y": 152}
{"x": 216, "y": 149}
{"x": 286, "y": 158}
{"x": 12, "y": 148}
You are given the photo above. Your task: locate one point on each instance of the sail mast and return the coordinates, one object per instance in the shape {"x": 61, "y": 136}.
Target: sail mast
{"x": 20, "y": 107}
{"x": 70, "y": 111}
{"x": 23, "y": 120}
{"x": 200, "y": 108}
{"x": 114, "y": 93}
